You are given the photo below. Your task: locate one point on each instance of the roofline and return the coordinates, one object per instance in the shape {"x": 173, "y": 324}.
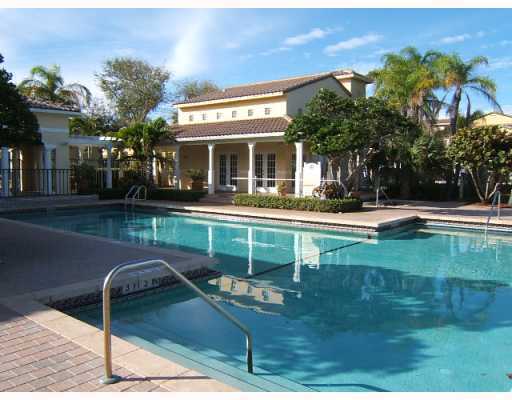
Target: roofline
{"x": 315, "y": 78}
{"x": 52, "y": 111}
{"x": 231, "y": 99}
{"x": 493, "y": 112}
{"x": 230, "y": 137}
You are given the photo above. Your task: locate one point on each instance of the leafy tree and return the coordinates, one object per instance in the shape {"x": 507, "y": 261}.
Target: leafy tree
{"x": 429, "y": 158}
{"x": 97, "y": 120}
{"x": 352, "y": 133}
{"x": 134, "y": 87}
{"x": 407, "y": 81}
{"x": 18, "y": 125}
{"x": 462, "y": 77}
{"x": 486, "y": 154}
{"x": 48, "y": 84}
{"x": 141, "y": 138}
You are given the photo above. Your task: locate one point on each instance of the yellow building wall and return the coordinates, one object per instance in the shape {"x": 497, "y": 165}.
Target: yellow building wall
{"x": 277, "y": 107}
{"x": 298, "y": 98}
{"x": 355, "y": 86}
{"x": 493, "y": 119}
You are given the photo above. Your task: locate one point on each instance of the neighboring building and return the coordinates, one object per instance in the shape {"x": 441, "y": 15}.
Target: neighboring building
{"x": 45, "y": 168}
{"x": 236, "y": 134}
{"x": 494, "y": 118}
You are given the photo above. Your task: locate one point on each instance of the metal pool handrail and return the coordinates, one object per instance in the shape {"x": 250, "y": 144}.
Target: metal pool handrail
{"x": 496, "y": 202}
{"x": 107, "y": 286}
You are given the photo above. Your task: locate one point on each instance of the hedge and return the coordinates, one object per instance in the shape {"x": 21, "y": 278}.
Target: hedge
{"x": 302, "y": 203}
{"x": 155, "y": 194}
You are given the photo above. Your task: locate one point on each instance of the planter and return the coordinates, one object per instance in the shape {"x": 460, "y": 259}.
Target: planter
{"x": 198, "y": 185}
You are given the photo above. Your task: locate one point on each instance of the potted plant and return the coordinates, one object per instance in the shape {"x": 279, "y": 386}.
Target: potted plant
{"x": 198, "y": 176}
{"x": 281, "y": 189}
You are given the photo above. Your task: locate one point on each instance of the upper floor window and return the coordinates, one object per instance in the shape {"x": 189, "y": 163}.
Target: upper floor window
{"x": 191, "y": 118}
{"x": 250, "y": 112}
{"x": 204, "y": 116}
{"x": 267, "y": 111}
{"x": 233, "y": 114}
{"x": 219, "y": 115}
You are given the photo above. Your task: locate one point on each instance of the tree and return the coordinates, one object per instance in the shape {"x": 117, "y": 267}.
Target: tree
{"x": 141, "y": 138}
{"x": 486, "y": 154}
{"x": 97, "y": 120}
{"x": 18, "y": 125}
{"x": 48, "y": 84}
{"x": 407, "y": 81}
{"x": 461, "y": 77}
{"x": 351, "y": 133}
{"x": 428, "y": 155}
{"x": 134, "y": 87}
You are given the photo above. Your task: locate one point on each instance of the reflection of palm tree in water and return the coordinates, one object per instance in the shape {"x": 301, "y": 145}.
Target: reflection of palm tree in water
{"x": 372, "y": 282}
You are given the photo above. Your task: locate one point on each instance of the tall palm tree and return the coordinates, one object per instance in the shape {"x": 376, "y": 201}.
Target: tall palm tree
{"x": 48, "y": 84}
{"x": 462, "y": 78}
{"x": 408, "y": 80}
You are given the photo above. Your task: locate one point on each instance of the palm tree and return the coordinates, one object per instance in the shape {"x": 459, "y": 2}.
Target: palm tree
{"x": 462, "y": 77}
{"x": 408, "y": 80}
{"x": 48, "y": 84}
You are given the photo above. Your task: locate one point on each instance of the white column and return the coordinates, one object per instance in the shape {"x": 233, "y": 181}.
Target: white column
{"x": 109, "y": 166}
{"x": 211, "y": 174}
{"x": 5, "y": 171}
{"x": 250, "y": 173}
{"x": 48, "y": 168}
{"x": 155, "y": 168}
{"x": 177, "y": 168}
{"x": 299, "y": 166}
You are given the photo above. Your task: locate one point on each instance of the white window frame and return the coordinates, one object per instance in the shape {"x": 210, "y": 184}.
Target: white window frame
{"x": 204, "y": 116}
{"x": 228, "y": 185}
{"x": 250, "y": 112}
{"x": 191, "y": 118}
{"x": 262, "y": 184}
{"x": 268, "y": 110}
{"x": 233, "y": 114}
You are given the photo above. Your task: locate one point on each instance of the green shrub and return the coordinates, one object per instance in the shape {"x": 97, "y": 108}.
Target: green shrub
{"x": 84, "y": 178}
{"x": 302, "y": 204}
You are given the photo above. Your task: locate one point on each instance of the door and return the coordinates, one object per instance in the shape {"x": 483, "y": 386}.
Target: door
{"x": 228, "y": 172}
{"x": 265, "y": 171}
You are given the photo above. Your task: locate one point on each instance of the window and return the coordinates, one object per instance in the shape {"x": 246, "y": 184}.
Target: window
{"x": 191, "y": 118}
{"x": 222, "y": 170}
{"x": 259, "y": 169}
{"x": 271, "y": 169}
{"x": 204, "y": 116}
{"x": 219, "y": 115}
{"x": 299, "y": 111}
{"x": 250, "y": 112}
{"x": 233, "y": 114}
{"x": 233, "y": 169}
{"x": 267, "y": 111}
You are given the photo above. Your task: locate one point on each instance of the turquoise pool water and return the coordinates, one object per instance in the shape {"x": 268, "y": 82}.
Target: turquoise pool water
{"x": 423, "y": 309}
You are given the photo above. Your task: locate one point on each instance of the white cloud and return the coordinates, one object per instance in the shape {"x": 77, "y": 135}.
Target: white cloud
{"x": 506, "y": 42}
{"x": 455, "y": 38}
{"x": 500, "y": 63}
{"x": 304, "y": 38}
{"x": 352, "y": 43}
{"x": 274, "y": 51}
{"x": 191, "y": 55}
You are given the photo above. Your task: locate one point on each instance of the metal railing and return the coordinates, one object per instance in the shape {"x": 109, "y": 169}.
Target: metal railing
{"x": 15, "y": 182}
{"x": 107, "y": 286}
{"x": 135, "y": 193}
{"x": 496, "y": 202}
{"x": 380, "y": 190}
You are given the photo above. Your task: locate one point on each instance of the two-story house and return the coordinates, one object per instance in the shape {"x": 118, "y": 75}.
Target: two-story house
{"x": 236, "y": 135}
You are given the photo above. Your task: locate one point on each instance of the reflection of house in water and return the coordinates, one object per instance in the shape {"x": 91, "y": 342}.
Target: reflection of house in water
{"x": 246, "y": 294}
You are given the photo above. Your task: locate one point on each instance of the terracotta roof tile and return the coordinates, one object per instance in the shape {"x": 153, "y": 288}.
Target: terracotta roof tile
{"x": 48, "y": 105}
{"x": 228, "y": 128}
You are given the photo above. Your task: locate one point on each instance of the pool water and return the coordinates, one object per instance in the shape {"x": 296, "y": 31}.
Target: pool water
{"x": 421, "y": 309}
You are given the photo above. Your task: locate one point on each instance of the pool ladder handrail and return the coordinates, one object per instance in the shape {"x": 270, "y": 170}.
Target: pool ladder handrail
{"x": 496, "y": 203}
{"x": 131, "y": 265}
{"x": 134, "y": 193}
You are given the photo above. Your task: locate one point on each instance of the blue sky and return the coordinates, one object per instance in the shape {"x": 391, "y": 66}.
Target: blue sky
{"x": 233, "y": 46}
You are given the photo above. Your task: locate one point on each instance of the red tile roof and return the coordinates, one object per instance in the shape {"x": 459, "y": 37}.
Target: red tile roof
{"x": 228, "y": 128}
{"x": 281, "y": 85}
{"x": 48, "y": 105}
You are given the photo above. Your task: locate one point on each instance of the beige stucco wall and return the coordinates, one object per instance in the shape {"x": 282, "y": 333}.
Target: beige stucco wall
{"x": 277, "y": 107}
{"x": 493, "y": 119}
{"x": 196, "y": 157}
{"x": 355, "y": 86}
{"x": 298, "y": 98}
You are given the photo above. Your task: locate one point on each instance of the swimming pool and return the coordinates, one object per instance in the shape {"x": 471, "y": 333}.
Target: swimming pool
{"x": 421, "y": 309}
